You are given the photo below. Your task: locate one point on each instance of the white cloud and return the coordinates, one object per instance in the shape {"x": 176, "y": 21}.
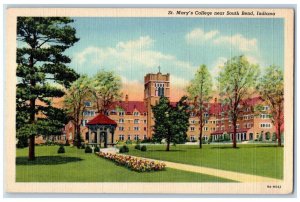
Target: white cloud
{"x": 198, "y": 35}
{"x": 131, "y": 58}
{"x": 237, "y": 41}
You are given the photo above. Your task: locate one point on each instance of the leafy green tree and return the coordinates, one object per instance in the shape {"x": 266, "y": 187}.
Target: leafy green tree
{"x": 41, "y": 63}
{"x": 236, "y": 81}
{"x": 78, "y": 93}
{"x": 200, "y": 89}
{"x": 271, "y": 89}
{"x": 171, "y": 123}
{"x": 107, "y": 89}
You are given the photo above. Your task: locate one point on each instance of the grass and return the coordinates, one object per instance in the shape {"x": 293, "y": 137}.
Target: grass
{"x": 77, "y": 166}
{"x": 256, "y": 159}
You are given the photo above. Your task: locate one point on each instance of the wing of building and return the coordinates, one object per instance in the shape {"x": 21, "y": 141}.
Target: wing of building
{"x": 135, "y": 119}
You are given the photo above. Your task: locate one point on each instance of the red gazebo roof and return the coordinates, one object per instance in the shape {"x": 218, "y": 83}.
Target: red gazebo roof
{"x": 101, "y": 119}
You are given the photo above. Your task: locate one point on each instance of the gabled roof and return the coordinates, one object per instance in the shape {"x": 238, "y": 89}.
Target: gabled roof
{"x": 101, "y": 119}
{"x": 130, "y": 106}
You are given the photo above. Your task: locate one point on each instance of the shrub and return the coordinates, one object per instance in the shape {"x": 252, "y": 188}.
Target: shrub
{"x": 143, "y": 148}
{"x": 82, "y": 146}
{"x": 97, "y": 149}
{"x": 128, "y": 142}
{"x": 124, "y": 149}
{"x": 61, "y": 150}
{"x": 138, "y": 147}
{"x": 22, "y": 142}
{"x": 148, "y": 140}
{"x": 67, "y": 143}
{"x": 49, "y": 143}
{"x": 88, "y": 149}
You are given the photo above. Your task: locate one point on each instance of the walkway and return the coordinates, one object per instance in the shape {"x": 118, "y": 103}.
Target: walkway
{"x": 235, "y": 176}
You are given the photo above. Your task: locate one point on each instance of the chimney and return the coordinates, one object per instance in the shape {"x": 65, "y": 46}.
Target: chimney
{"x": 126, "y": 98}
{"x": 216, "y": 100}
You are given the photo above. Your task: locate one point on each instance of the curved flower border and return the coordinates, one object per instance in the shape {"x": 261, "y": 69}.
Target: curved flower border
{"x": 133, "y": 163}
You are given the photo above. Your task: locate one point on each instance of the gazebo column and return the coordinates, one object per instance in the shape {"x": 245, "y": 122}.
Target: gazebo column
{"x": 90, "y": 136}
{"x": 112, "y": 136}
{"x": 98, "y": 135}
{"x": 106, "y": 137}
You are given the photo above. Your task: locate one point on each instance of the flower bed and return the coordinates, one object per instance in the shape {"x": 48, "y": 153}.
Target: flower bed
{"x": 133, "y": 163}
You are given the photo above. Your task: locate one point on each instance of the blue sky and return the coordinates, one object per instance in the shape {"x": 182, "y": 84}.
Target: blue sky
{"x": 133, "y": 47}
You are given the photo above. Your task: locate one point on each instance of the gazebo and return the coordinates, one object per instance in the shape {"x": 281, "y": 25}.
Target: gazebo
{"x": 102, "y": 127}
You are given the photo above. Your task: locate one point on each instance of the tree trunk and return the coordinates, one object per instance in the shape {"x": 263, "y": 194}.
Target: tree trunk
{"x": 78, "y": 136}
{"x": 168, "y": 146}
{"x": 31, "y": 148}
{"x": 234, "y": 135}
{"x": 200, "y": 139}
{"x": 278, "y": 135}
{"x": 31, "y": 154}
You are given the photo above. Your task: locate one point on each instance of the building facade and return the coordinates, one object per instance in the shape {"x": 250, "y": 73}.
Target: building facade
{"x": 135, "y": 119}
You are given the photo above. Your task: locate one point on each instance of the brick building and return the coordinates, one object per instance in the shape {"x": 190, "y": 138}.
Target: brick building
{"x": 135, "y": 119}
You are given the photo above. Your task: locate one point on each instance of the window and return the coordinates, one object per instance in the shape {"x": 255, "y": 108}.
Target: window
{"x": 192, "y": 138}
{"x": 246, "y": 117}
{"x": 121, "y": 113}
{"x": 237, "y": 126}
{"x": 206, "y": 115}
{"x": 145, "y": 128}
{"x": 112, "y": 112}
{"x": 206, "y": 121}
{"x": 121, "y": 128}
{"x": 136, "y": 113}
{"x": 145, "y": 121}
{"x": 87, "y": 103}
{"x": 266, "y": 108}
{"x": 136, "y": 128}
{"x": 145, "y": 137}
{"x": 222, "y": 127}
{"x": 192, "y": 128}
{"x": 192, "y": 114}
{"x": 88, "y": 113}
{"x": 121, "y": 137}
{"x": 121, "y": 120}
{"x": 128, "y": 137}
{"x": 192, "y": 121}
{"x": 84, "y": 122}
{"x": 136, "y": 121}
{"x": 265, "y": 125}
{"x": 205, "y": 128}
{"x": 264, "y": 116}
{"x": 159, "y": 89}
{"x": 136, "y": 137}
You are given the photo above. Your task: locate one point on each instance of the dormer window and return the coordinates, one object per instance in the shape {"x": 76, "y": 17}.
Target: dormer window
{"x": 135, "y": 113}
{"x": 87, "y": 103}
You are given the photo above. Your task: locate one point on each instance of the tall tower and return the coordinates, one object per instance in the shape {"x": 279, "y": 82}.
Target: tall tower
{"x": 156, "y": 86}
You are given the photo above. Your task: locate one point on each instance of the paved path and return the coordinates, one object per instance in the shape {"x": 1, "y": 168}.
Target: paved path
{"x": 235, "y": 176}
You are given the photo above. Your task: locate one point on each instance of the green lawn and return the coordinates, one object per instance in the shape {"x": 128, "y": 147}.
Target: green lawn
{"x": 76, "y": 166}
{"x": 257, "y": 159}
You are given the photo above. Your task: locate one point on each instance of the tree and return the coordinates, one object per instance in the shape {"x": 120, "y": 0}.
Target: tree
{"x": 271, "y": 89}
{"x": 200, "y": 89}
{"x": 41, "y": 63}
{"x": 107, "y": 89}
{"x": 79, "y": 91}
{"x": 171, "y": 123}
{"x": 237, "y": 80}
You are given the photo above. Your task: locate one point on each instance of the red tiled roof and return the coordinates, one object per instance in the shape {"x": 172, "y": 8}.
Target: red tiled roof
{"x": 101, "y": 120}
{"x": 130, "y": 106}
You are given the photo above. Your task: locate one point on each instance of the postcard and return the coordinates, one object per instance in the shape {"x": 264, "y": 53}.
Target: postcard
{"x": 149, "y": 100}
